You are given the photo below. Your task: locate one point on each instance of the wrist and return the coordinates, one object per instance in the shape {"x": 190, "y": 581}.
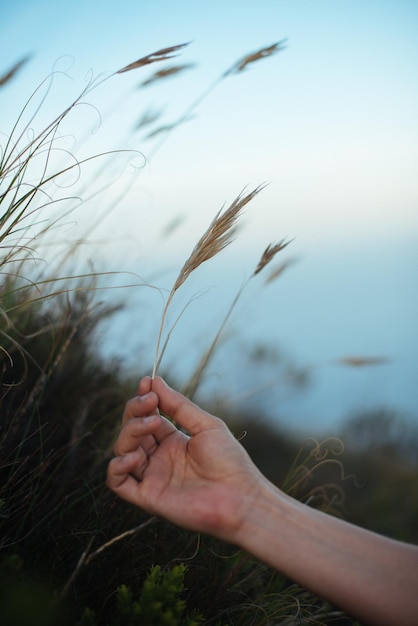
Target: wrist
{"x": 261, "y": 516}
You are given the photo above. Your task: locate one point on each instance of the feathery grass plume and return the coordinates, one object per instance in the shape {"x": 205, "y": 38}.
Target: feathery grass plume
{"x": 362, "y": 361}
{"x": 12, "y": 158}
{"x": 267, "y": 256}
{"x": 27, "y": 218}
{"x": 263, "y": 53}
{"x": 15, "y": 159}
{"x": 160, "y": 55}
{"x": 168, "y": 72}
{"x": 236, "y": 68}
{"x": 217, "y": 236}
{"x": 5, "y": 78}
{"x": 278, "y": 271}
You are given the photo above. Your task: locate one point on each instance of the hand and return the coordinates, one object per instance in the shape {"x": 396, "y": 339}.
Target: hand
{"x": 204, "y": 480}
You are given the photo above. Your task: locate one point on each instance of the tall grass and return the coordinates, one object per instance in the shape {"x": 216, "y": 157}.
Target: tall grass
{"x": 70, "y": 553}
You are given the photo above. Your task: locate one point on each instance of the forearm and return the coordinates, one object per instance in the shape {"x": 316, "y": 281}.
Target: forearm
{"x": 369, "y": 576}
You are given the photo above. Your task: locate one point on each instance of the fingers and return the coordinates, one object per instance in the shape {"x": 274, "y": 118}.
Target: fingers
{"x": 145, "y": 385}
{"x": 144, "y": 427}
{"x": 182, "y": 410}
{"x": 146, "y": 432}
{"x": 141, "y": 405}
{"x": 137, "y": 432}
{"x": 120, "y": 477}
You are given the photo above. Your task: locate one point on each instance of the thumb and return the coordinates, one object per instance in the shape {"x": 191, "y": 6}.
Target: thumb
{"x": 181, "y": 409}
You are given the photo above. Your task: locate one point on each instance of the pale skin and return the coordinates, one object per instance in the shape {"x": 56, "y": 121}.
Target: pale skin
{"x": 206, "y": 482}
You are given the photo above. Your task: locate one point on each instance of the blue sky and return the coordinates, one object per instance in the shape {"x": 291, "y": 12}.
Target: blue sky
{"x": 330, "y": 123}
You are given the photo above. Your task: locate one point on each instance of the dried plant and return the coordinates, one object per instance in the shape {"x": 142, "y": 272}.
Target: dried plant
{"x": 160, "y": 55}
{"x": 30, "y": 188}
{"x": 363, "y": 361}
{"x": 5, "y": 78}
{"x": 269, "y": 254}
{"x": 266, "y": 258}
{"x": 248, "y": 59}
{"x": 238, "y": 67}
{"x": 217, "y": 236}
{"x": 167, "y": 72}
{"x": 278, "y": 271}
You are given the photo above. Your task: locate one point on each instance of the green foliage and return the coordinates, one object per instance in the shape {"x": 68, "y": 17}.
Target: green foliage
{"x": 88, "y": 618}
{"x": 159, "y": 602}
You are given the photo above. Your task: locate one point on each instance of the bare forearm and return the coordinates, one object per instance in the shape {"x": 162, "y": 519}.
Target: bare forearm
{"x": 369, "y": 576}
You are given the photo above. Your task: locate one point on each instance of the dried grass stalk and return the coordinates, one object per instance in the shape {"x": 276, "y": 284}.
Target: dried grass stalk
{"x": 269, "y": 254}
{"x": 218, "y": 235}
{"x": 278, "y": 271}
{"x": 243, "y": 63}
{"x": 167, "y": 72}
{"x": 363, "y": 361}
{"x": 160, "y": 55}
{"x": 5, "y": 78}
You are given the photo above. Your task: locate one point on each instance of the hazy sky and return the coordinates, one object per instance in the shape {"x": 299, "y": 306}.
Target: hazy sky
{"x": 330, "y": 123}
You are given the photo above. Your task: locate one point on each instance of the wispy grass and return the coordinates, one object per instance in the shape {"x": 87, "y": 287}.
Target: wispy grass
{"x": 267, "y": 257}
{"x": 164, "y": 130}
{"x": 216, "y": 238}
{"x": 61, "y": 403}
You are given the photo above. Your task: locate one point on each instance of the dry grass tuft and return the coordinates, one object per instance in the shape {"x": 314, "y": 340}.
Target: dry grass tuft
{"x": 5, "y": 78}
{"x": 363, "y": 361}
{"x": 269, "y": 254}
{"x": 217, "y": 236}
{"x": 167, "y": 72}
{"x": 278, "y": 271}
{"x": 160, "y": 55}
{"x": 268, "y": 51}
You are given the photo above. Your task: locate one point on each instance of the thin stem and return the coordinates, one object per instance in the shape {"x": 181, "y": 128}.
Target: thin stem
{"x": 127, "y": 533}
{"x": 160, "y": 334}
{"x": 196, "y": 378}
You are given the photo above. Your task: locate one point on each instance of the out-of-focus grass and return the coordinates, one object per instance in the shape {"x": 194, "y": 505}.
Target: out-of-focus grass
{"x": 66, "y": 543}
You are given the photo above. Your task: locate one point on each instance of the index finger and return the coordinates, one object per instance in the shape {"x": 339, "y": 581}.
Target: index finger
{"x": 140, "y": 406}
{"x": 182, "y": 410}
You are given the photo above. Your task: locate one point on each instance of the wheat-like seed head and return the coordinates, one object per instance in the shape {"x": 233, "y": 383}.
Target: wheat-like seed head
{"x": 219, "y": 235}
{"x": 5, "y": 78}
{"x": 160, "y": 55}
{"x": 269, "y": 253}
{"x": 363, "y": 361}
{"x": 167, "y": 72}
{"x": 243, "y": 63}
{"x": 278, "y": 271}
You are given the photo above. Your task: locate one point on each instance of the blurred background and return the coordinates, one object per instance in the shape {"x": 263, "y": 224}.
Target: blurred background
{"x": 107, "y": 181}
{"x": 328, "y": 121}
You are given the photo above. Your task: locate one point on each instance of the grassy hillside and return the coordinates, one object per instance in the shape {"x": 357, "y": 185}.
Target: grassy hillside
{"x": 70, "y": 551}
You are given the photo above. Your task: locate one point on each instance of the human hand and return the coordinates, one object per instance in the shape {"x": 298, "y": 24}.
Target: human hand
{"x": 204, "y": 480}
